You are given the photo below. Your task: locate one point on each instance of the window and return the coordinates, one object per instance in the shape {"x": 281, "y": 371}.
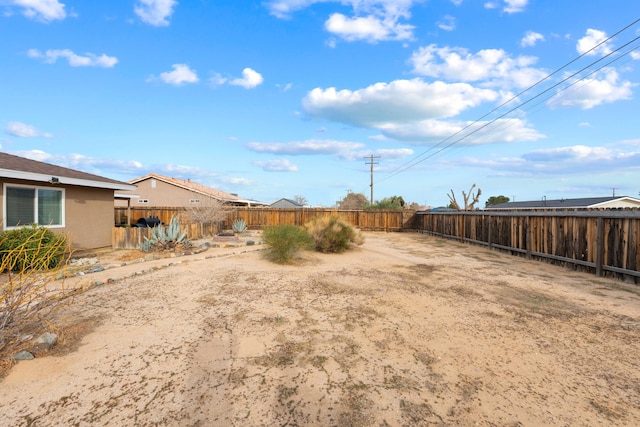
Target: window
{"x": 194, "y": 201}
{"x": 32, "y": 205}
{"x": 145, "y": 201}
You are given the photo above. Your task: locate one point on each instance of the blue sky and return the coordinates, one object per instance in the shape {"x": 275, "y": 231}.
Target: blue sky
{"x": 277, "y": 98}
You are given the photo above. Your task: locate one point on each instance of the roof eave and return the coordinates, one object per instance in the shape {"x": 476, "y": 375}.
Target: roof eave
{"x": 38, "y": 177}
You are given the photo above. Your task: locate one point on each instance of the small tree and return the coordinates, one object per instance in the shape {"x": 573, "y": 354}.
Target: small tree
{"x": 212, "y": 211}
{"x": 301, "y": 200}
{"x": 468, "y": 206}
{"x": 394, "y": 202}
{"x": 496, "y": 200}
{"x": 353, "y": 201}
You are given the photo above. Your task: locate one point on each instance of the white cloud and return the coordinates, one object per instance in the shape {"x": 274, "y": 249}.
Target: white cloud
{"x": 515, "y": 6}
{"x": 429, "y": 132}
{"x": 531, "y": 38}
{"x": 603, "y": 87}
{"x": 180, "y": 75}
{"x": 448, "y": 23}
{"x": 592, "y": 39}
{"x": 510, "y": 6}
{"x": 250, "y": 79}
{"x": 23, "y": 130}
{"x": 237, "y": 181}
{"x": 368, "y": 28}
{"x": 278, "y": 165}
{"x": 155, "y": 12}
{"x": 99, "y": 166}
{"x": 41, "y": 10}
{"x": 308, "y": 147}
{"x": 393, "y": 153}
{"x": 456, "y": 2}
{"x": 372, "y": 20}
{"x": 398, "y": 101}
{"x": 74, "y": 60}
{"x": 492, "y": 67}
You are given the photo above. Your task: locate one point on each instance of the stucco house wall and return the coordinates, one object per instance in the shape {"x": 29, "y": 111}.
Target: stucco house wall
{"x": 87, "y": 199}
{"x": 159, "y": 191}
{"x": 154, "y": 192}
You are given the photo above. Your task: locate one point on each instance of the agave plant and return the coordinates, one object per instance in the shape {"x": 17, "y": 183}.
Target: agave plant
{"x": 239, "y": 226}
{"x": 163, "y": 238}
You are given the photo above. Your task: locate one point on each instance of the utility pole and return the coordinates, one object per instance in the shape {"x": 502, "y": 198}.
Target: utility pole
{"x": 371, "y": 162}
{"x": 614, "y": 191}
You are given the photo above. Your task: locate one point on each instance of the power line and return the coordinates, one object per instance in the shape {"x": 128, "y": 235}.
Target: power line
{"x": 418, "y": 159}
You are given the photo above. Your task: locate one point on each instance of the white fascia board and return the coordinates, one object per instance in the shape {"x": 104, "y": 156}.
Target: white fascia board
{"x": 6, "y": 173}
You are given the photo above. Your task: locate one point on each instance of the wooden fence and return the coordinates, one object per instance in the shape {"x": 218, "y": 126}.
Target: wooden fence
{"x": 131, "y": 237}
{"x": 602, "y": 242}
{"x": 126, "y": 236}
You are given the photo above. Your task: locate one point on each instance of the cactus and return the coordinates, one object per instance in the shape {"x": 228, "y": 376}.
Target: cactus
{"x": 164, "y": 238}
{"x": 239, "y": 226}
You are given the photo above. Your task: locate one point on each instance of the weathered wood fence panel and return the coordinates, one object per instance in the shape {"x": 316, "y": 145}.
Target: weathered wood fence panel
{"x": 131, "y": 237}
{"x": 127, "y": 236}
{"x": 603, "y": 242}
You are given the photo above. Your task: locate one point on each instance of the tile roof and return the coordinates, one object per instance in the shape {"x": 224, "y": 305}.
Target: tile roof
{"x": 9, "y": 162}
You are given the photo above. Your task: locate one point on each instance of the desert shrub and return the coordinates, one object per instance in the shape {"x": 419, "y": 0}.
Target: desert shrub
{"x": 31, "y": 247}
{"x": 333, "y": 234}
{"x": 285, "y": 241}
{"x": 32, "y": 286}
{"x": 165, "y": 238}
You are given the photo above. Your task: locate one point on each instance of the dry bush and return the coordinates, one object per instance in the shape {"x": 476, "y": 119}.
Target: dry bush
{"x": 30, "y": 294}
{"x": 212, "y": 211}
{"x": 333, "y": 234}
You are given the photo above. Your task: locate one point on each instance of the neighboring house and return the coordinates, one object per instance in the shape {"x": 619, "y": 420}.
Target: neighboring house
{"x": 286, "y": 203}
{"x": 68, "y": 201}
{"x": 583, "y": 203}
{"x": 157, "y": 191}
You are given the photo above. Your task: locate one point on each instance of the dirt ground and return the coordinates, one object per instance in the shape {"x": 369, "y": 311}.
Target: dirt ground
{"x": 406, "y": 330}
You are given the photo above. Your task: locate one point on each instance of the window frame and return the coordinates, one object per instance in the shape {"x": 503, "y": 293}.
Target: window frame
{"x": 36, "y": 189}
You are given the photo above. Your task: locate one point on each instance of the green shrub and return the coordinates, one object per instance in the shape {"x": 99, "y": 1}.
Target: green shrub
{"x": 31, "y": 247}
{"x": 285, "y": 241}
{"x": 333, "y": 234}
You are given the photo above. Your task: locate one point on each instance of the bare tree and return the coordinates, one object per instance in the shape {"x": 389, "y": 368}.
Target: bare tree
{"x": 301, "y": 200}
{"x": 468, "y": 206}
{"x": 211, "y": 211}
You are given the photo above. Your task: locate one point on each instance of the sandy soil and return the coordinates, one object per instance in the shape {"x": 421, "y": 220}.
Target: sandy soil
{"x": 406, "y": 330}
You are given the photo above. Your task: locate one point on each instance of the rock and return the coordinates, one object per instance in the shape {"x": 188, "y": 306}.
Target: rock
{"x": 23, "y": 355}
{"x": 96, "y": 269}
{"x": 250, "y": 243}
{"x": 44, "y": 342}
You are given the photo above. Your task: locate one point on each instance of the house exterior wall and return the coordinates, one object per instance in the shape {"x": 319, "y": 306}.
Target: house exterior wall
{"x": 617, "y": 204}
{"x": 163, "y": 194}
{"x": 88, "y": 216}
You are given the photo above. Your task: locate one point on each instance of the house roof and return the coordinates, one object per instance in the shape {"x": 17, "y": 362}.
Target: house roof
{"x": 286, "y": 203}
{"x": 580, "y": 203}
{"x": 32, "y": 170}
{"x": 197, "y": 188}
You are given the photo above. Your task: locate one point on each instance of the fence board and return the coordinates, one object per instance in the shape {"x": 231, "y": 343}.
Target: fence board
{"x": 255, "y": 218}
{"x": 567, "y": 238}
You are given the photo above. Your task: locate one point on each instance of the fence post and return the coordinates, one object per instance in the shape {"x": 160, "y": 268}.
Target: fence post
{"x": 599, "y": 245}
{"x": 527, "y": 223}
{"x": 489, "y": 241}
